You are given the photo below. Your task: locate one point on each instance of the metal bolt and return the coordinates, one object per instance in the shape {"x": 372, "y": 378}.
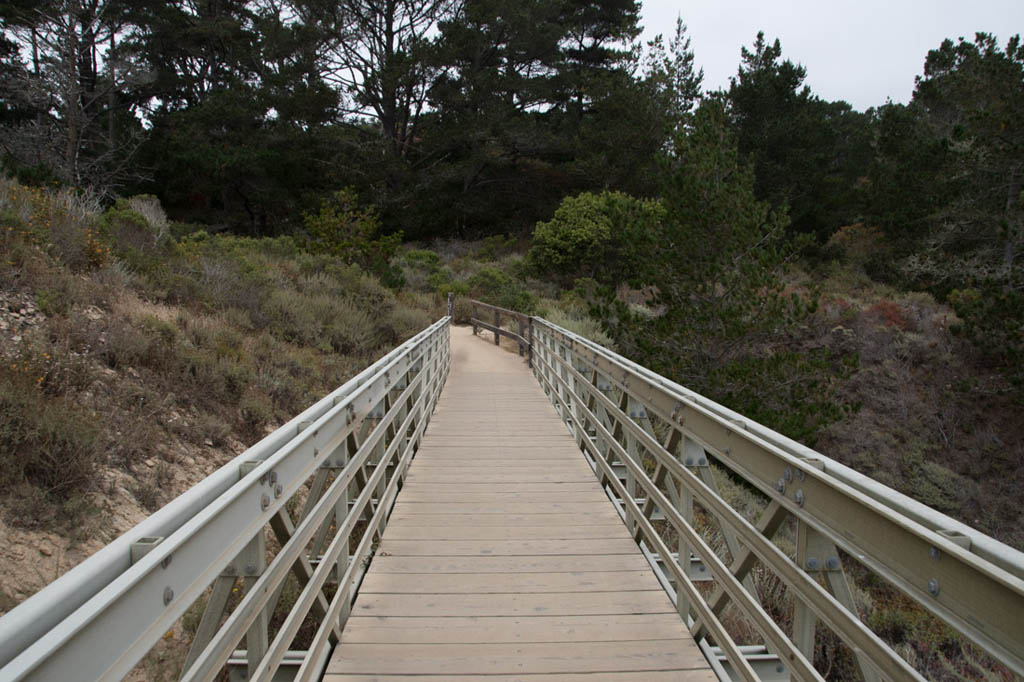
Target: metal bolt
{"x": 277, "y": 490}
{"x": 788, "y": 474}
{"x": 230, "y": 568}
{"x": 250, "y": 568}
{"x": 933, "y": 552}
{"x": 798, "y": 497}
{"x": 264, "y": 502}
{"x": 728, "y": 432}
{"x": 933, "y": 587}
{"x": 168, "y": 595}
{"x": 166, "y": 561}
{"x": 273, "y": 477}
{"x": 812, "y": 564}
{"x": 702, "y": 461}
{"x": 780, "y": 485}
{"x": 832, "y": 563}
{"x": 799, "y": 474}
{"x": 727, "y": 450}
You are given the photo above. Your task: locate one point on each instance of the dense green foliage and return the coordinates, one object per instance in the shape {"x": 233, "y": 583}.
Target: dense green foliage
{"x": 707, "y": 266}
{"x": 947, "y": 188}
{"x": 604, "y": 236}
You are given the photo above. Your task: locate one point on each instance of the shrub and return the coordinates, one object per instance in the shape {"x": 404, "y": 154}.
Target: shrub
{"x": 493, "y": 286}
{"x": 256, "y": 411}
{"x": 593, "y": 235}
{"x": 494, "y": 247}
{"x": 993, "y": 320}
{"x": 347, "y": 231}
{"x": 48, "y": 444}
{"x": 407, "y": 322}
{"x": 138, "y": 232}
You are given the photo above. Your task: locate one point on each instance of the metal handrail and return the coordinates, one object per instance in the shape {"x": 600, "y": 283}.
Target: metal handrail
{"x": 628, "y": 420}
{"x": 101, "y": 618}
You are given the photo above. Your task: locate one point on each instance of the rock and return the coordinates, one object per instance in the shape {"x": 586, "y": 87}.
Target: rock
{"x": 208, "y": 443}
{"x": 45, "y": 551}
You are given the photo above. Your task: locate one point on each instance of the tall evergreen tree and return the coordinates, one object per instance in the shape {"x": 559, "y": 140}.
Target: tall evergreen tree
{"x": 806, "y": 152}
{"x": 83, "y": 87}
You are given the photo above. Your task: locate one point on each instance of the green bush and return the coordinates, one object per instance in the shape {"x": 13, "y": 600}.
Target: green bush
{"x": 494, "y": 247}
{"x": 493, "y": 286}
{"x": 992, "y": 318}
{"x": 134, "y": 239}
{"x": 349, "y": 232}
{"x": 47, "y": 444}
{"x": 594, "y": 235}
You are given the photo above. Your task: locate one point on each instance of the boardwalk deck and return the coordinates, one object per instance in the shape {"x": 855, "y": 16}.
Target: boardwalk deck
{"x": 503, "y": 559}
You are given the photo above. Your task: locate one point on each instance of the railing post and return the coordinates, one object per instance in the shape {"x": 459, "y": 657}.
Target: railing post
{"x": 529, "y": 344}
{"x": 451, "y": 304}
{"x": 497, "y": 325}
{"x": 522, "y": 334}
{"x": 474, "y": 318}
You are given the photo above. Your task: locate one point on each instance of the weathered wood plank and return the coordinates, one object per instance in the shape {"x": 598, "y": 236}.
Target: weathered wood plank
{"x": 410, "y": 517}
{"x": 484, "y": 508}
{"x": 507, "y": 564}
{"x": 562, "y": 657}
{"x": 433, "y": 476}
{"x": 463, "y": 528}
{"x": 699, "y": 675}
{"x": 497, "y": 583}
{"x": 586, "y": 547}
{"x": 504, "y": 604}
{"x": 484, "y": 629}
{"x": 422, "y": 494}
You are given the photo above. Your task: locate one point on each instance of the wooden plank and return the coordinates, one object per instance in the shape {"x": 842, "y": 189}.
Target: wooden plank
{"x": 585, "y": 547}
{"x": 483, "y": 629}
{"x": 505, "y": 604}
{"x": 483, "y": 508}
{"x": 408, "y": 516}
{"x": 423, "y": 494}
{"x": 702, "y": 675}
{"x": 521, "y": 659}
{"x": 495, "y": 583}
{"x": 465, "y": 529}
{"x": 507, "y": 564}
{"x": 433, "y": 476}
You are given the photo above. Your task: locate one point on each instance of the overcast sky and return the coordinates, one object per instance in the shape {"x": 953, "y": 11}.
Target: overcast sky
{"x": 861, "y": 51}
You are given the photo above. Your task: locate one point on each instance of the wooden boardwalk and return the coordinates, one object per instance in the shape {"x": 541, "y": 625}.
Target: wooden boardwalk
{"x": 503, "y": 558}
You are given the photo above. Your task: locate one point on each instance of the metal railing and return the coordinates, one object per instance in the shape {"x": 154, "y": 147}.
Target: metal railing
{"x": 309, "y": 501}
{"x": 652, "y": 443}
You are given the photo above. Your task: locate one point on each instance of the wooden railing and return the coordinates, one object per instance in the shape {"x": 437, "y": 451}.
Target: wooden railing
{"x": 524, "y": 324}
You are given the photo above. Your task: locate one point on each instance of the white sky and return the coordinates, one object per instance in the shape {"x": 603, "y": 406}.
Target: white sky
{"x": 861, "y": 51}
